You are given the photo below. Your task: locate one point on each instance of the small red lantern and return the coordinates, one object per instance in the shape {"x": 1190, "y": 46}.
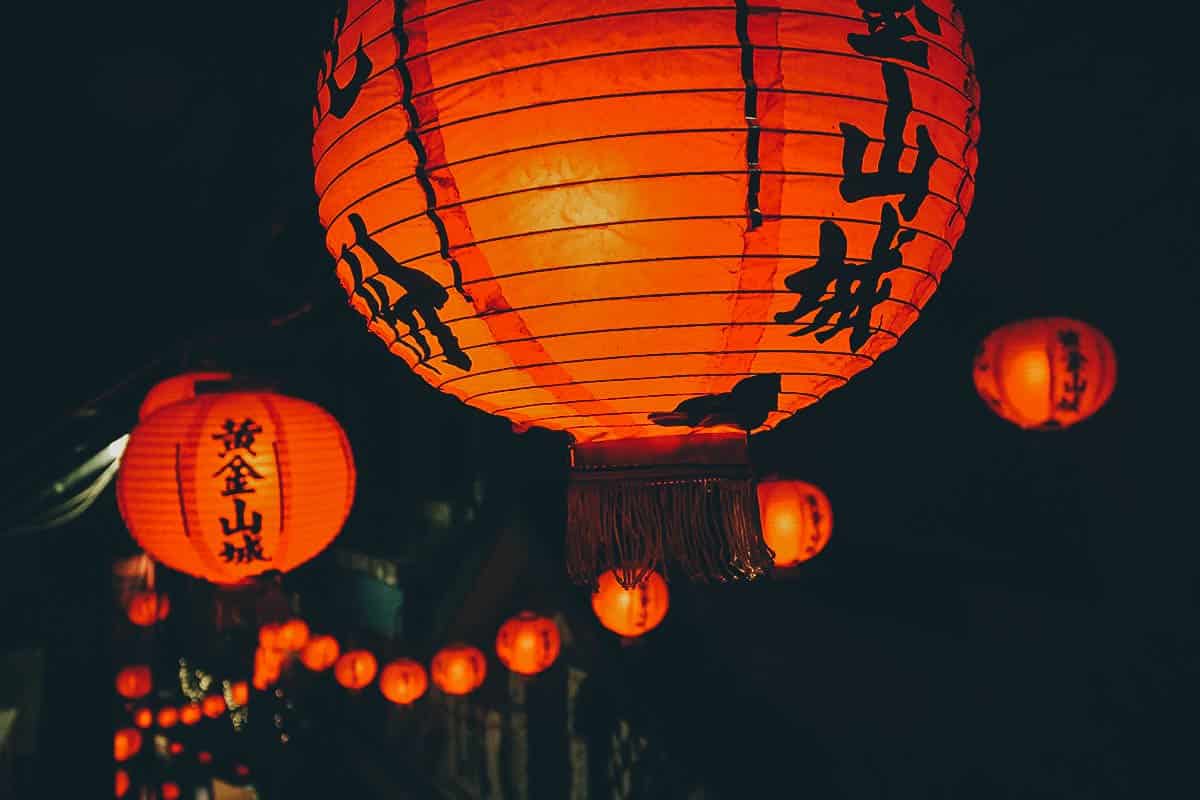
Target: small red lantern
{"x": 240, "y": 693}
{"x": 126, "y": 744}
{"x": 267, "y": 666}
{"x": 204, "y": 757}
{"x": 167, "y": 717}
{"x": 320, "y": 653}
{"x": 122, "y": 783}
{"x": 528, "y": 643}
{"x": 459, "y": 669}
{"x": 631, "y": 612}
{"x": 403, "y": 681}
{"x": 241, "y": 770}
{"x": 214, "y": 706}
{"x": 190, "y": 714}
{"x": 147, "y": 608}
{"x": 293, "y": 635}
{"x": 797, "y": 519}
{"x": 175, "y": 748}
{"x": 169, "y": 791}
{"x": 355, "y": 669}
{"x": 134, "y": 682}
{"x": 143, "y": 718}
{"x": 268, "y": 636}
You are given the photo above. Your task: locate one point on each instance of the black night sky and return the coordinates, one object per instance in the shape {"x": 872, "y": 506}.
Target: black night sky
{"x": 999, "y": 613}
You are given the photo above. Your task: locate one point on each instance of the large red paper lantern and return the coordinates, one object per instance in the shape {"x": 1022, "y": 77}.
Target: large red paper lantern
{"x": 226, "y": 486}
{"x": 126, "y": 743}
{"x": 459, "y": 669}
{"x": 403, "y": 681}
{"x": 797, "y": 519}
{"x": 631, "y": 612}
{"x": 638, "y": 221}
{"x": 320, "y": 653}
{"x": 355, "y": 669}
{"x": 134, "y": 682}
{"x": 1046, "y": 374}
{"x": 147, "y": 608}
{"x": 528, "y": 643}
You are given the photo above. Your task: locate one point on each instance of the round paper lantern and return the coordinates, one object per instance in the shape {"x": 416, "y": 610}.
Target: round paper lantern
{"x": 167, "y": 717}
{"x": 190, "y": 714}
{"x": 175, "y": 748}
{"x": 459, "y": 669}
{"x": 122, "y": 783}
{"x": 320, "y": 653}
{"x": 214, "y": 706}
{"x": 241, "y": 770}
{"x": 267, "y": 666}
{"x": 227, "y": 486}
{"x": 653, "y": 226}
{"x": 1046, "y": 374}
{"x": 796, "y": 519}
{"x": 147, "y": 608}
{"x": 268, "y": 636}
{"x": 204, "y": 757}
{"x": 528, "y": 643}
{"x": 239, "y": 693}
{"x": 169, "y": 791}
{"x": 355, "y": 669}
{"x": 403, "y": 681}
{"x": 126, "y": 744}
{"x": 177, "y": 389}
{"x": 134, "y": 682}
{"x": 293, "y": 635}
{"x": 631, "y": 612}
{"x": 143, "y": 718}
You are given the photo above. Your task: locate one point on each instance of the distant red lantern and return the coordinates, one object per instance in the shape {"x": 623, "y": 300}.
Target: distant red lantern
{"x": 147, "y": 608}
{"x": 143, "y": 718}
{"x": 204, "y": 757}
{"x": 254, "y": 481}
{"x": 355, "y": 669}
{"x": 528, "y": 643}
{"x": 175, "y": 748}
{"x": 1046, "y": 374}
{"x": 169, "y": 791}
{"x": 167, "y": 717}
{"x": 239, "y": 693}
{"x": 293, "y": 635}
{"x": 797, "y": 519}
{"x": 177, "y": 389}
{"x": 134, "y": 682}
{"x": 459, "y": 669}
{"x": 631, "y": 612}
{"x": 122, "y": 781}
{"x": 214, "y": 706}
{"x": 320, "y": 653}
{"x": 268, "y": 636}
{"x": 267, "y": 667}
{"x": 403, "y": 681}
{"x": 241, "y": 770}
{"x": 190, "y": 714}
{"x": 126, "y": 744}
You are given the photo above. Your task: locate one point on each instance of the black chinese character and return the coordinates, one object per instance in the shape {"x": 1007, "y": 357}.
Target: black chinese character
{"x": 238, "y": 437}
{"x": 746, "y": 406}
{"x": 856, "y": 289}
{"x": 889, "y": 30}
{"x": 251, "y": 550}
{"x": 914, "y": 185}
{"x": 238, "y": 473}
{"x": 239, "y": 510}
{"x": 1077, "y": 385}
{"x": 341, "y": 98}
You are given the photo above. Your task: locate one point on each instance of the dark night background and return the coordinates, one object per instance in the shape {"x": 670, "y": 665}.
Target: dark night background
{"x": 999, "y": 614}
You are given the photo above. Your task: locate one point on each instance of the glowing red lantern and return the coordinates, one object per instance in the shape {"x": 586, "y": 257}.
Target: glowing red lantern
{"x": 267, "y": 667}
{"x": 169, "y": 791}
{"x": 241, "y": 770}
{"x": 134, "y": 682}
{"x": 204, "y": 757}
{"x": 177, "y": 389}
{"x": 320, "y": 653}
{"x": 239, "y": 693}
{"x": 1046, "y": 374}
{"x": 214, "y": 706}
{"x": 147, "y": 608}
{"x": 268, "y": 636}
{"x": 122, "y": 781}
{"x": 645, "y": 223}
{"x": 254, "y": 481}
{"x": 293, "y": 635}
{"x": 459, "y": 669}
{"x": 403, "y": 681}
{"x": 143, "y": 718}
{"x": 631, "y": 612}
{"x": 167, "y": 717}
{"x": 126, "y": 744}
{"x": 797, "y": 519}
{"x": 190, "y": 714}
{"x": 175, "y": 748}
{"x": 355, "y": 669}
{"x": 528, "y": 643}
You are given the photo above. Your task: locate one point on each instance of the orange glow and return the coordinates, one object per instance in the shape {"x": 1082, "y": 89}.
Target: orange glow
{"x": 241, "y": 770}
{"x": 143, "y": 718}
{"x": 214, "y": 706}
{"x": 147, "y": 608}
{"x": 355, "y": 669}
{"x": 122, "y": 783}
{"x": 240, "y": 693}
{"x": 1046, "y": 374}
{"x": 169, "y": 791}
{"x": 459, "y": 669}
{"x": 267, "y": 666}
{"x": 126, "y": 744}
{"x": 320, "y": 653}
{"x": 134, "y": 682}
{"x": 175, "y": 390}
{"x": 204, "y": 757}
{"x": 293, "y": 635}
{"x": 597, "y": 220}
{"x": 190, "y": 714}
{"x": 631, "y": 612}
{"x": 797, "y": 519}
{"x": 176, "y": 479}
{"x": 528, "y": 643}
{"x": 167, "y": 717}
{"x": 403, "y": 681}
{"x": 175, "y": 748}
{"x": 268, "y": 636}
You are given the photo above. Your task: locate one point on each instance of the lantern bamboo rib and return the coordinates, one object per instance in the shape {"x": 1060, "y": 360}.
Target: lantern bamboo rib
{"x": 631, "y": 521}
{"x": 507, "y": 389}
